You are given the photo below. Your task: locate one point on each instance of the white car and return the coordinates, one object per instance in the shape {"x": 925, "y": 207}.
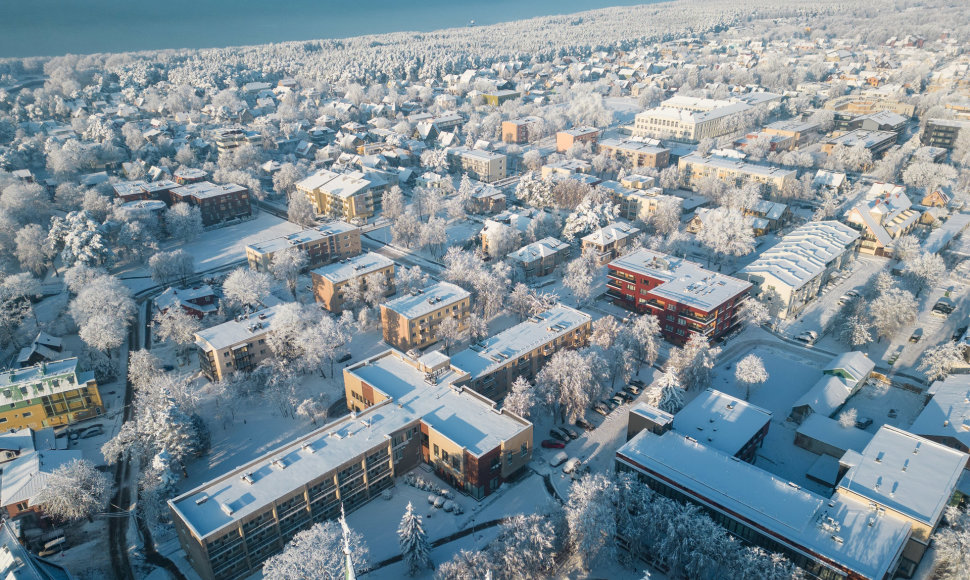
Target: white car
{"x": 571, "y": 465}
{"x": 558, "y": 459}
{"x": 808, "y": 337}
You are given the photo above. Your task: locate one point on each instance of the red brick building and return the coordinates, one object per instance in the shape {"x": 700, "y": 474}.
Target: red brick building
{"x": 218, "y": 203}
{"x": 685, "y": 297}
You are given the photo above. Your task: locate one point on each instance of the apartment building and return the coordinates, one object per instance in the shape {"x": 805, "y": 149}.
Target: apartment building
{"x": 412, "y": 321}
{"x": 48, "y": 394}
{"x": 637, "y": 153}
{"x": 828, "y": 537}
{"x": 943, "y": 132}
{"x": 685, "y": 297}
{"x": 234, "y": 345}
{"x": 875, "y": 141}
{"x": 885, "y": 216}
{"x": 323, "y": 244}
{"x": 188, "y": 175}
{"x": 798, "y": 131}
{"x": 522, "y": 130}
{"x": 694, "y": 169}
{"x": 793, "y": 271}
{"x": 866, "y": 104}
{"x": 408, "y": 412}
{"x": 689, "y": 119}
{"x": 637, "y": 202}
{"x": 331, "y": 283}
{"x": 485, "y": 166}
{"x": 217, "y": 203}
{"x": 606, "y": 243}
{"x": 521, "y": 351}
{"x": 539, "y": 258}
{"x": 566, "y": 139}
{"x": 347, "y": 196}
{"x": 130, "y": 191}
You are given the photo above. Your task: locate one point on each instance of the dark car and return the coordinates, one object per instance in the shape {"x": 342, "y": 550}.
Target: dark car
{"x": 583, "y": 423}
{"x": 557, "y": 435}
{"x": 958, "y": 334}
{"x": 550, "y": 444}
{"x": 344, "y": 358}
{"x": 570, "y": 433}
{"x": 637, "y": 382}
{"x": 93, "y": 431}
{"x": 625, "y": 395}
{"x": 168, "y": 367}
{"x": 863, "y": 422}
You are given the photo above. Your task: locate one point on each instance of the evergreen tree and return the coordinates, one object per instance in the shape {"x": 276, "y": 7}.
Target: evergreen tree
{"x": 414, "y": 542}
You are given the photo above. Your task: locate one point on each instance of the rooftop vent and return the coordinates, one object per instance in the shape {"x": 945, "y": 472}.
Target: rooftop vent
{"x": 226, "y": 509}
{"x": 202, "y": 499}
{"x": 307, "y": 447}
{"x": 248, "y": 478}
{"x": 279, "y": 464}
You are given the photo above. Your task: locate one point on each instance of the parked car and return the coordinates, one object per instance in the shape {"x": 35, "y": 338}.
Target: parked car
{"x": 608, "y": 403}
{"x": 345, "y": 358}
{"x": 558, "y": 459}
{"x": 895, "y": 355}
{"x": 637, "y": 382}
{"x": 808, "y": 337}
{"x": 571, "y": 433}
{"x": 92, "y": 431}
{"x": 943, "y": 307}
{"x": 555, "y": 434}
{"x": 634, "y": 388}
{"x": 863, "y": 422}
{"x": 602, "y": 410}
{"x": 625, "y": 395}
{"x": 571, "y": 465}
{"x": 958, "y": 333}
{"x": 583, "y": 423}
{"x": 917, "y": 334}
{"x": 550, "y": 444}
{"x": 852, "y": 294}
{"x": 581, "y": 470}
{"x": 617, "y": 400}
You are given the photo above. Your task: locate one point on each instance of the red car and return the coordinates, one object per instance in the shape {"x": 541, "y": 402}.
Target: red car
{"x": 551, "y": 444}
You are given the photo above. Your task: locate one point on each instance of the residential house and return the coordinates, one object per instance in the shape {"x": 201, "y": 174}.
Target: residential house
{"x": 486, "y": 166}
{"x": 332, "y": 283}
{"x": 884, "y": 217}
{"x": 539, "y": 258}
{"x": 841, "y": 378}
{"x": 217, "y": 203}
{"x": 198, "y": 301}
{"x": 235, "y": 345}
{"x": 347, "y": 196}
{"x": 609, "y": 241}
{"x": 26, "y": 476}
{"x": 566, "y": 139}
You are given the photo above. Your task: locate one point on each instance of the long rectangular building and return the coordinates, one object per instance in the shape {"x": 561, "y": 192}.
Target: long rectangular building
{"x": 409, "y": 412}
{"x": 797, "y": 267}
{"x": 685, "y": 297}
{"x": 521, "y": 351}
{"x": 773, "y": 180}
{"x": 323, "y": 244}
{"x": 48, "y": 394}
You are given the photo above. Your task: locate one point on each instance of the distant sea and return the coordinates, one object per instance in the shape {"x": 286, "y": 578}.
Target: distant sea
{"x": 55, "y": 27}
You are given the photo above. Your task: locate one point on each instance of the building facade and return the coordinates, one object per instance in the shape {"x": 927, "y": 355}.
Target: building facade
{"x": 539, "y": 258}
{"x": 606, "y": 243}
{"x": 412, "y": 321}
{"x": 216, "y": 203}
{"x": 234, "y": 345}
{"x": 689, "y": 119}
{"x": 637, "y": 153}
{"x": 485, "y": 166}
{"x": 694, "y": 169}
{"x": 569, "y": 137}
{"x": 522, "y": 130}
{"x": 331, "y": 284}
{"x": 324, "y": 244}
{"x": 685, "y": 297}
{"x": 49, "y": 394}
{"x": 347, "y": 196}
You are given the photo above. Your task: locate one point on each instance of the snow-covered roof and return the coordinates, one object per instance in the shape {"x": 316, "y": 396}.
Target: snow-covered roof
{"x": 906, "y": 473}
{"x": 25, "y": 477}
{"x": 45, "y": 378}
{"x": 429, "y": 299}
{"x": 538, "y": 250}
{"x": 682, "y": 281}
{"x": 828, "y": 178}
{"x": 827, "y": 395}
{"x": 647, "y": 148}
{"x": 648, "y": 411}
{"x": 206, "y": 189}
{"x": 17, "y": 563}
{"x": 303, "y": 237}
{"x": 804, "y": 253}
{"x": 940, "y": 237}
{"x": 341, "y": 185}
{"x": 496, "y": 351}
{"x": 739, "y": 166}
{"x": 836, "y": 529}
{"x": 611, "y": 233}
{"x": 348, "y": 268}
{"x": 831, "y": 432}
{"x": 580, "y": 131}
{"x": 947, "y": 414}
{"x": 238, "y": 330}
{"x": 854, "y": 363}
{"x": 172, "y": 297}
{"x": 724, "y": 422}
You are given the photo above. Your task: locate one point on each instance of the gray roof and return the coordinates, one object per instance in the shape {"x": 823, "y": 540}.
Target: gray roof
{"x": 428, "y": 300}
{"x": 346, "y": 269}
{"x": 721, "y": 421}
{"x": 240, "y": 329}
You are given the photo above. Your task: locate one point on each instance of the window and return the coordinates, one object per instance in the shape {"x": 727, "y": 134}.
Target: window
{"x": 436, "y": 450}
{"x": 525, "y": 449}
{"x": 27, "y": 414}
{"x": 22, "y": 506}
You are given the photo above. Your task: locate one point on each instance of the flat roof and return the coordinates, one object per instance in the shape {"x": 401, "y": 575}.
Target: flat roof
{"x": 683, "y": 281}
{"x": 794, "y": 126}
{"x": 303, "y": 237}
{"x": 580, "y": 131}
{"x": 240, "y": 329}
{"x": 45, "y": 378}
{"x": 539, "y": 249}
{"x": 743, "y": 167}
{"x": 721, "y": 421}
{"x": 346, "y": 269}
{"x": 464, "y": 417}
{"x": 835, "y": 528}
{"x": 947, "y": 414}
{"x": 906, "y": 473}
{"x": 206, "y": 189}
{"x": 863, "y": 137}
{"x": 491, "y": 353}
{"x": 631, "y": 145}
{"x": 648, "y": 411}
{"x": 427, "y": 300}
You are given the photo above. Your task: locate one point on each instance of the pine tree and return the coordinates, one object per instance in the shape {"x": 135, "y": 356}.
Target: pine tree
{"x": 414, "y": 542}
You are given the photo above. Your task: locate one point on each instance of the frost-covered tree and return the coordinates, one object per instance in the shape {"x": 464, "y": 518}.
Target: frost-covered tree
{"x": 415, "y": 548}
{"x": 906, "y": 248}
{"x": 79, "y": 239}
{"x": 891, "y": 310}
{"x": 285, "y": 178}
{"x": 525, "y": 547}
{"x": 856, "y": 331}
{"x": 758, "y": 564}
{"x": 646, "y": 336}
{"x": 937, "y": 362}
{"x": 100, "y": 296}
{"x": 669, "y": 395}
{"x": 287, "y": 264}
{"x": 315, "y": 553}
{"x": 952, "y": 541}
{"x": 300, "y": 211}
{"x": 580, "y": 277}
{"x": 847, "y": 418}
{"x": 74, "y": 490}
{"x": 31, "y": 248}
{"x": 168, "y": 267}
{"x": 245, "y": 287}
{"x": 451, "y": 333}
{"x": 408, "y": 279}
{"x": 925, "y": 270}
{"x": 178, "y": 326}
{"x": 727, "y": 232}
{"x": 594, "y": 212}
{"x": 466, "y": 565}
{"x": 103, "y": 331}
{"x": 392, "y": 203}
{"x": 591, "y": 518}
{"x": 183, "y": 221}
{"x": 566, "y": 384}
{"x": 521, "y": 398}
{"x": 927, "y": 175}
{"x": 750, "y": 372}
{"x": 694, "y": 362}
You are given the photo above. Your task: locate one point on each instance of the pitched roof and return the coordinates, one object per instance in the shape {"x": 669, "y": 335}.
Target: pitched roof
{"x": 25, "y": 477}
